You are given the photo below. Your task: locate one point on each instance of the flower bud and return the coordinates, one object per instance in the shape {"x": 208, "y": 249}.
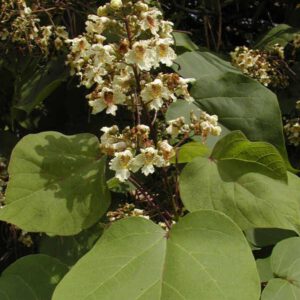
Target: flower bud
{"x": 102, "y": 11}
{"x": 116, "y": 4}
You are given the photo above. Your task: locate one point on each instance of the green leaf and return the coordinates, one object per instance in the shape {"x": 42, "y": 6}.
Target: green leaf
{"x": 285, "y": 264}
{"x": 57, "y": 184}
{"x": 236, "y": 147}
{"x": 36, "y": 83}
{"x": 189, "y": 151}
{"x": 241, "y": 103}
{"x": 281, "y": 34}
{"x": 264, "y": 269}
{"x": 183, "y": 43}
{"x": 252, "y": 200}
{"x": 204, "y": 257}
{"x": 68, "y": 249}
{"x": 31, "y": 277}
{"x": 115, "y": 185}
{"x": 280, "y": 289}
{"x": 262, "y": 237}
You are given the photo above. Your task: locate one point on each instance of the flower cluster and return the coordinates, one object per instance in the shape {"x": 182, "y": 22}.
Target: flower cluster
{"x": 22, "y": 26}
{"x": 118, "y": 68}
{"x": 133, "y": 150}
{"x": 124, "y": 211}
{"x": 26, "y": 239}
{"x": 292, "y": 129}
{"x": 204, "y": 125}
{"x": 267, "y": 67}
{"x": 117, "y": 57}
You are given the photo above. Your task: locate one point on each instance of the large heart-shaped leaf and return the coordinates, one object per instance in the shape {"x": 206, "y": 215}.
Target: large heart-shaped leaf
{"x": 183, "y": 43}
{"x": 280, "y": 34}
{"x": 264, "y": 156}
{"x": 31, "y": 277}
{"x": 189, "y": 151}
{"x": 57, "y": 184}
{"x": 264, "y": 269}
{"x": 240, "y": 102}
{"x": 241, "y": 189}
{"x": 204, "y": 257}
{"x": 285, "y": 265}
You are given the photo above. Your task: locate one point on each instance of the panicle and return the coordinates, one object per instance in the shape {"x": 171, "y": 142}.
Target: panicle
{"x": 117, "y": 69}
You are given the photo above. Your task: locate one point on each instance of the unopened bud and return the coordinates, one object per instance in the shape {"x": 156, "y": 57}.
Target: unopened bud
{"x": 116, "y": 4}
{"x": 102, "y": 11}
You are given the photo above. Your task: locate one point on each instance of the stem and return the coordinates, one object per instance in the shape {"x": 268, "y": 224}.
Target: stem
{"x": 149, "y": 199}
{"x": 185, "y": 138}
{"x": 220, "y": 21}
{"x": 170, "y": 194}
{"x": 136, "y": 74}
{"x": 177, "y": 195}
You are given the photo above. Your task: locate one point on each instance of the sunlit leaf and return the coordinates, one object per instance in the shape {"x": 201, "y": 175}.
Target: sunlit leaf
{"x": 204, "y": 257}
{"x": 57, "y": 184}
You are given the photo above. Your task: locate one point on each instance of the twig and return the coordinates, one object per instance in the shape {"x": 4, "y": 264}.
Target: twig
{"x": 149, "y": 199}
{"x": 220, "y": 21}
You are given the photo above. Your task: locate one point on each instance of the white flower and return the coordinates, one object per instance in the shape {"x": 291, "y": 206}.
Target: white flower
{"x": 183, "y": 89}
{"x": 27, "y": 10}
{"x": 46, "y": 33}
{"x": 96, "y": 24}
{"x": 102, "y": 54}
{"x": 143, "y": 130}
{"x": 102, "y": 10}
{"x": 141, "y": 55}
{"x": 141, "y": 6}
{"x": 106, "y": 99}
{"x": 209, "y": 124}
{"x": 93, "y": 71}
{"x": 123, "y": 78}
{"x": 166, "y": 29}
{"x": 175, "y": 126}
{"x": 147, "y": 160}
{"x": 154, "y": 93}
{"x": 121, "y": 164}
{"x": 79, "y": 44}
{"x": 109, "y": 135}
{"x": 149, "y": 20}
{"x": 116, "y": 4}
{"x": 92, "y": 75}
{"x": 166, "y": 150}
{"x": 112, "y": 141}
{"x": 165, "y": 54}
{"x": 61, "y": 32}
